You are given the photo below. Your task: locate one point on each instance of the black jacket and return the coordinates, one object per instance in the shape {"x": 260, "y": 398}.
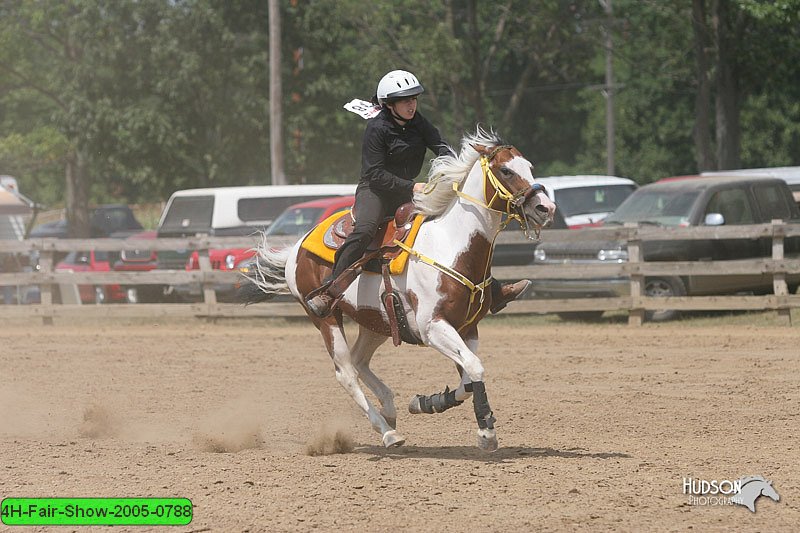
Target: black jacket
{"x": 392, "y": 155}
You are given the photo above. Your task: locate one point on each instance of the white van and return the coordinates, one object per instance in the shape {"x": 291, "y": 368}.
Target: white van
{"x": 585, "y": 200}
{"x": 236, "y": 210}
{"x": 232, "y": 211}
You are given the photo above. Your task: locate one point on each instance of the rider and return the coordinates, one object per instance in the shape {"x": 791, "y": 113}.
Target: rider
{"x": 392, "y": 153}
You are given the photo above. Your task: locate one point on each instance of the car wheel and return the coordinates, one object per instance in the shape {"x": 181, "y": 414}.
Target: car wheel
{"x": 581, "y": 316}
{"x": 660, "y": 288}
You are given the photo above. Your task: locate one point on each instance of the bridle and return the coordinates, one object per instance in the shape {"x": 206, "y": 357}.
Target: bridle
{"x": 498, "y": 196}
{"x": 511, "y": 204}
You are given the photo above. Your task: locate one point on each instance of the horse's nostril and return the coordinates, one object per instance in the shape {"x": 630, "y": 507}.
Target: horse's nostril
{"x": 542, "y": 209}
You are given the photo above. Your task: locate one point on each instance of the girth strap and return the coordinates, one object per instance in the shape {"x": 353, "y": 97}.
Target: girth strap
{"x": 473, "y": 288}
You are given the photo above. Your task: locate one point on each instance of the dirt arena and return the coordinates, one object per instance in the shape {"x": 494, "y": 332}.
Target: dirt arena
{"x": 598, "y": 425}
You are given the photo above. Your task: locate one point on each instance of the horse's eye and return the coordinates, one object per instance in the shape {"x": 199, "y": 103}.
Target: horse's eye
{"x": 506, "y": 171}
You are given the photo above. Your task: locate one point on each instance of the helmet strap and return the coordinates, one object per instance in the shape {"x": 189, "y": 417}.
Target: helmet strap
{"x": 396, "y": 117}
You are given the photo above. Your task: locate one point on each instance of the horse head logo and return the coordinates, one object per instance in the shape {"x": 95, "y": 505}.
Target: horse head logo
{"x": 752, "y": 488}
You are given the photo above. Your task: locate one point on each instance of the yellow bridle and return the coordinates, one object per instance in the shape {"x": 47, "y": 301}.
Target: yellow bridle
{"x": 513, "y": 201}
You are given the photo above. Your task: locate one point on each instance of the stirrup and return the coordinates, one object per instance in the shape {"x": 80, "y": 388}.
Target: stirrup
{"x": 321, "y": 304}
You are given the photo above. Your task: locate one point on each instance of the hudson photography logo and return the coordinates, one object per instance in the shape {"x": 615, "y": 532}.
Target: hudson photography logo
{"x": 743, "y": 491}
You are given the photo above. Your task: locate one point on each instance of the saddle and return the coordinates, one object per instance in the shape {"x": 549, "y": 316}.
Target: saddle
{"x": 329, "y": 235}
{"x": 382, "y": 256}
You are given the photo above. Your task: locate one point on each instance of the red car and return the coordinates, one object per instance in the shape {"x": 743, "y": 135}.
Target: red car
{"x": 290, "y": 225}
{"x": 92, "y": 262}
{"x": 140, "y": 261}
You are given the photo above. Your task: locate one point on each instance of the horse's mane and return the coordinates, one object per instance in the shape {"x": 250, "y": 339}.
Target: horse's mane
{"x": 451, "y": 168}
{"x": 748, "y": 479}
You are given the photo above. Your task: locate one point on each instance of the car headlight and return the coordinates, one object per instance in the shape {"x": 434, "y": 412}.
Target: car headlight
{"x": 539, "y": 255}
{"x": 620, "y": 256}
{"x": 230, "y": 261}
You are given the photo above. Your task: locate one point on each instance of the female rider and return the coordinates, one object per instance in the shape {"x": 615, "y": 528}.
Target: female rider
{"x": 392, "y": 154}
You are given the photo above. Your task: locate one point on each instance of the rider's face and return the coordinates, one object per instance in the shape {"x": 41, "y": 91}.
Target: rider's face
{"x": 405, "y": 108}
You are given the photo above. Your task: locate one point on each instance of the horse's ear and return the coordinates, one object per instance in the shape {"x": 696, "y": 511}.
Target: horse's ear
{"x": 481, "y": 149}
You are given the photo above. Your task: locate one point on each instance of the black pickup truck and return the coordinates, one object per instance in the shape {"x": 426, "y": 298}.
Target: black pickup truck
{"x": 680, "y": 203}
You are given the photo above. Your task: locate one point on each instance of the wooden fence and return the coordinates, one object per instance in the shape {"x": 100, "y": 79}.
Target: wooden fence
{"x": 635, "y": 269}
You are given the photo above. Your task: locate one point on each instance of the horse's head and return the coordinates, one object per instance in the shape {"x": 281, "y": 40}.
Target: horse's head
{"x": 511, "y": 187}
{"x": 768, "y": 490}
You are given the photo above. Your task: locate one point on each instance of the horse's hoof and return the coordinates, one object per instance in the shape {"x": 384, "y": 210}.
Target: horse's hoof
{"x": 487, "y": 440}
{"x": 414, "y": 407}
{"x": 392, "y": 439}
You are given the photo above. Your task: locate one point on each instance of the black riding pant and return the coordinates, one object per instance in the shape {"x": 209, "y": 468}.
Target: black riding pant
{"x": 371, "y": 207}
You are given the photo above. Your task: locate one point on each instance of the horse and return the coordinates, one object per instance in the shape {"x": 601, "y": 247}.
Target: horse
{"x": 751, "y": 488}
{"x": 467, "y": 200}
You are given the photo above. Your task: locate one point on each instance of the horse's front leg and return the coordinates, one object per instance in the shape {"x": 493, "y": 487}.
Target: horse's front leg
{"x": 442, "y": 401}
{"x": 444, "y": 337}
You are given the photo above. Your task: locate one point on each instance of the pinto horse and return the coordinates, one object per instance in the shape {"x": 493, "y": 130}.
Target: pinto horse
{"x": 468, "y": 200}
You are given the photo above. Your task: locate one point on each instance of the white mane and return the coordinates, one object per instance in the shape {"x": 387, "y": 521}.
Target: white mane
{"x": 448, "y": 169}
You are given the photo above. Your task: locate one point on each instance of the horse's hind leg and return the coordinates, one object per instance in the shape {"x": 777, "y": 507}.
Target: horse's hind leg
{"x": 361, "y": 353}
{"x": 444, "y": 337}
{"x": 333, "y": 334}
{"x": 442, "y": 401}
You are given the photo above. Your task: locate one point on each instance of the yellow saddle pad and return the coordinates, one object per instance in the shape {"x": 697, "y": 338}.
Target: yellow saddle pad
{"x": 315, "y": 242}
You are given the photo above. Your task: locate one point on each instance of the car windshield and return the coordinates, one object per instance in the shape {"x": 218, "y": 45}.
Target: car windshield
{"x": 594, "y": 199}
{"x": 295, "y": 221}
{"x": 660, "y": 206}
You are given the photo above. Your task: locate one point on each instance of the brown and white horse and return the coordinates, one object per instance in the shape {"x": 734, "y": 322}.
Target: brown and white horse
{"x": 442, "y": 289}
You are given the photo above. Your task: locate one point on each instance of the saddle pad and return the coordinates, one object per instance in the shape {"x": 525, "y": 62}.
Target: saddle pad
{"x": 315, "y": 242}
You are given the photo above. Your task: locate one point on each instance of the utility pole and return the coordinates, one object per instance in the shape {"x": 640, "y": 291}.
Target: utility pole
{"x": 609, "y": 90}
{"x": 275, "y": 96}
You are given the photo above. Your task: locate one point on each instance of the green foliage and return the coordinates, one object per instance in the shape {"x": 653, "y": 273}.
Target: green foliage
{"x": 38, "y": 155}
{"x": 167, "y": 95}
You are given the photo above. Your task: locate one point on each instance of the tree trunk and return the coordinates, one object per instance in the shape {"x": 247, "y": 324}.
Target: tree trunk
{"x": 459, "y": 122}
{"x": 77, "y": 195}
{"x": 477, "y": 83}
{"x": 727, "y": 105}
{"x": 275, "y": 96}
{"x": 702, "y": 102}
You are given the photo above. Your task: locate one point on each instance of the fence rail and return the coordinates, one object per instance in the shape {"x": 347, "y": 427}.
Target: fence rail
{"x": 778, "y": 266}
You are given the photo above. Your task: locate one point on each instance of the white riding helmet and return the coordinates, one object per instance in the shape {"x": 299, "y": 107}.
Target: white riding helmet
{"x": 398, "y": 84}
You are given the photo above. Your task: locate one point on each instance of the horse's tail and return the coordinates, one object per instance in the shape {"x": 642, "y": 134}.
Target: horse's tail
{"x": 268, "y": 278}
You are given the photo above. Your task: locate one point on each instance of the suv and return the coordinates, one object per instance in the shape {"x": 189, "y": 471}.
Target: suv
{"x": 791, "y": 175}
{"x": 231, "y": 211}
{"x": 110, "y": 220}
{"x": 680, "y": 203}
{"x": 288, "y": 227}
{"x": 585, "y": 201}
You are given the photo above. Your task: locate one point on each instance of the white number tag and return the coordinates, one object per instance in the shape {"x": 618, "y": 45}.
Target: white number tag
{"x": 362, "y": 108}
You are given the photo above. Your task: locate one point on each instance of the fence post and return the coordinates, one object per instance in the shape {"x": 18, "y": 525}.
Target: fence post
{"x": 779, "y": 286}
{"x": 209, "y": 295}
{"x": 46, "y": 289}
{"x": 635, "y": 312}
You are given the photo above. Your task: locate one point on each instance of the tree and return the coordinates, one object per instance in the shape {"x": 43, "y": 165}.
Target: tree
{"x": 149, "y": 96}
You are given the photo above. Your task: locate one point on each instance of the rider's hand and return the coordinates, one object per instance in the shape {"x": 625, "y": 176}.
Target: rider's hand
{"x": 419, "y": 187}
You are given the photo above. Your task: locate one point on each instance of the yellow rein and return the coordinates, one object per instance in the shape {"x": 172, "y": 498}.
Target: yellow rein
{"x": 510, "y": 199}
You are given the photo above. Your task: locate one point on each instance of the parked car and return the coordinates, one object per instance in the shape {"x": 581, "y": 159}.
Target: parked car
{"x": 586, "y": 200}
{"x": 680, "y": 203}
{"x": 791, "y": 175}
{"x": 140, "y": 261}
{"x": 231, "y": 211}
{"x": 287, "y": 228}
{"x": 91, "y": 261}
{"x": 108, "y": 220}
{"x": 521, "y": 253}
